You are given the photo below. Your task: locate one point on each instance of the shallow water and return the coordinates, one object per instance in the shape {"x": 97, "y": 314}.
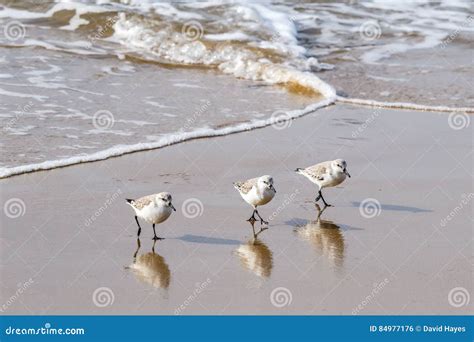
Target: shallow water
{"x": 65, "y": 107}
{"x": 82, "y": 81}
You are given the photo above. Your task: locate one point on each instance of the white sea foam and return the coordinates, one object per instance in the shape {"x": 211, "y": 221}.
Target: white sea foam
{"x": 60, "y": 46}
{"x": 166, "y": 140}
{"x": 237, "y": 35}
{"x": 404, "y": 105}
{"x": 16, "y": 94}
{"x": 159, "y": 105}
{"x": 186, "y": 85}
{"x": 175, "y": 47}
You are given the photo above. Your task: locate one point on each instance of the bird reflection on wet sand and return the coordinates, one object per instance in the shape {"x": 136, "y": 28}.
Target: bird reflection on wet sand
{"x": 326, "y": 237}
{"x": 151, "y": 268}
{"x": 255, "y": 255}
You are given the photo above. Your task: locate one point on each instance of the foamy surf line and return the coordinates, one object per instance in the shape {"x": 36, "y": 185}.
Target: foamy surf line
{"x": 168, "y": 140}
{"x": 403, "y": 105}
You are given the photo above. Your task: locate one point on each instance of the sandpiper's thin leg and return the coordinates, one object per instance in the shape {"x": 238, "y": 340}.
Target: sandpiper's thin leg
{"x": 154, "y": 232}
{"x": 139, "y": 228}
{"x": 252, "y": 218}
{"x": 156, "y": 237}
{"x": 325, "y": 203}
{"x": 318, "y": 197}
{"x": 262, "y": 221}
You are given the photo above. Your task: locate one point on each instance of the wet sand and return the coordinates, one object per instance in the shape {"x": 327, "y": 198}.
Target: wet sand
{"x": 440, "y": 75}
{"x": 77, "y": 234}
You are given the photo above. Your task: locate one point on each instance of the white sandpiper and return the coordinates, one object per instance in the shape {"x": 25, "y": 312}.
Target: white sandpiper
{"x": 326, "y": 174}
{"x": 256, "y": 191}
{"x": 154, "y": 209}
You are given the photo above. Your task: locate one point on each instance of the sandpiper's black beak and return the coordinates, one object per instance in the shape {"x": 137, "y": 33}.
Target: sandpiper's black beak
{"x": 272, "y": 187}
{"x": 347, "y": 173}
{"x": 172, "y": 207}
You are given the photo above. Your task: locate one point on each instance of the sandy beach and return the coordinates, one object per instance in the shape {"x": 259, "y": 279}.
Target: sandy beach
{"x": 103, "y": 101}
{"x": 75, "y": 236}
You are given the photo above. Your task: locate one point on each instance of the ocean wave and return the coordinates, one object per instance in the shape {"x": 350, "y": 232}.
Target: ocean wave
{"x": 254, "y": 60}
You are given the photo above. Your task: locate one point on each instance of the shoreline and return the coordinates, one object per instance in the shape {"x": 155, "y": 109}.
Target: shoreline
{"x": 203, "y": 133}
{"x": 402, "y": 105}
{"x": 168, "y": 140}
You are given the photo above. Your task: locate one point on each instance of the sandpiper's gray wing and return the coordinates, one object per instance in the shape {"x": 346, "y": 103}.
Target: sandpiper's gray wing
{"x": 318, "y": 171}
{"x": 245, "y": 186}
{"x": 142, "y": 202}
